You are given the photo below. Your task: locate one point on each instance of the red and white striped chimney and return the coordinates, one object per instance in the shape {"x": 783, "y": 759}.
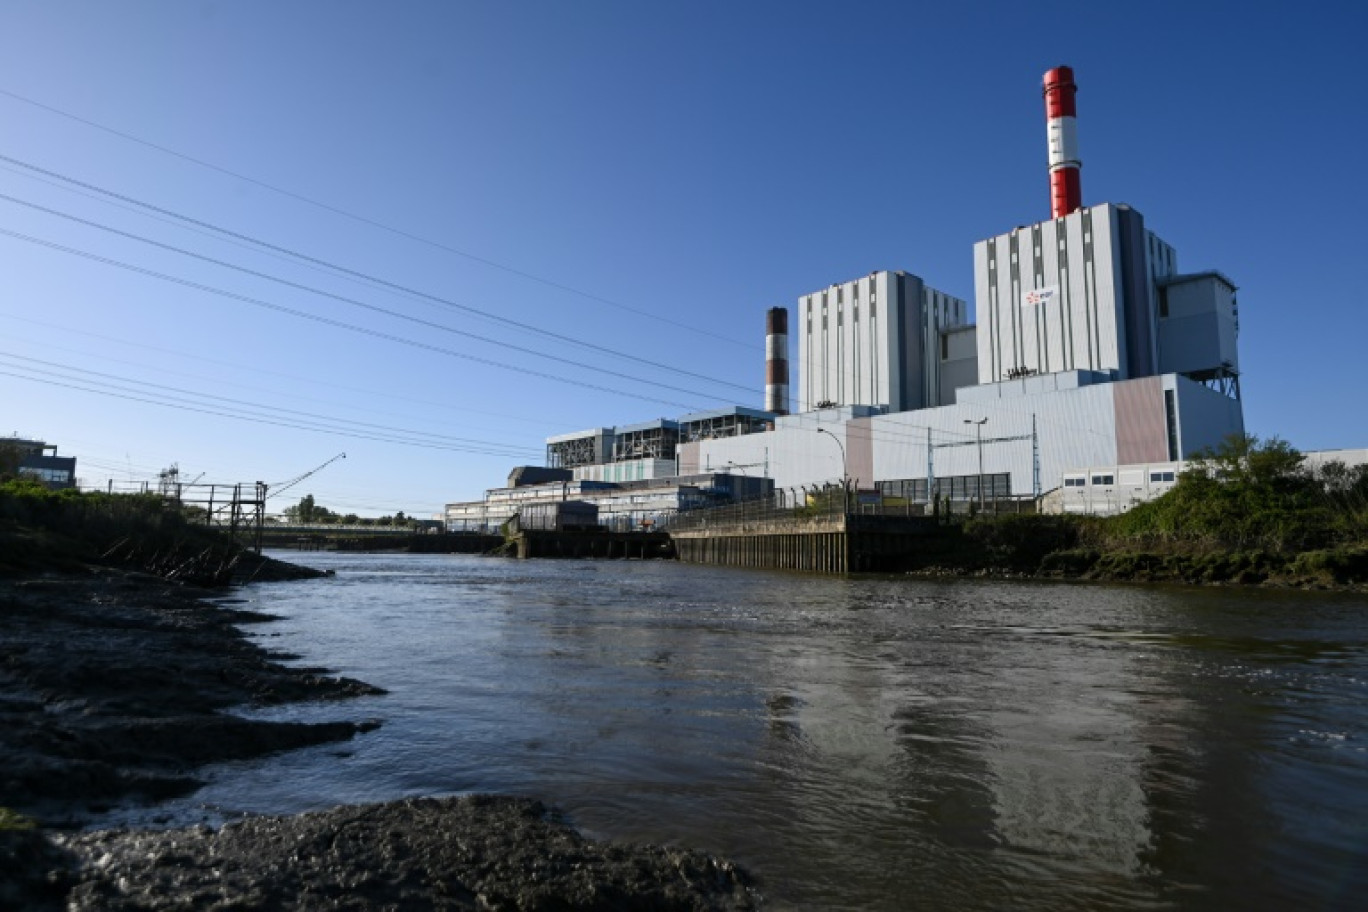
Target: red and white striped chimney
{"x": 776, "y": 361}
{"x": 1066, "y": 192}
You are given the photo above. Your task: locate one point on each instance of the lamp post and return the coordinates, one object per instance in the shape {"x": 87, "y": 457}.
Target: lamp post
{"x": 845, "y": 473}
{"x": 978, "y": 437}
{"x": 845, "y": 468}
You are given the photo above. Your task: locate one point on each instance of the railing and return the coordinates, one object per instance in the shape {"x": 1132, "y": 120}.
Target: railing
{"x": 784, "y": 505}
{"x": 801, "y": 504}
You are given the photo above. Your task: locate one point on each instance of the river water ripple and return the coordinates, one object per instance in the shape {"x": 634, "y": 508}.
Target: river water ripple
{"x": 858, "y": 743}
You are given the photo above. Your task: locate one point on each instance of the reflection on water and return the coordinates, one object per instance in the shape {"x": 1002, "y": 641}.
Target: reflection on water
{"x": 860, "y": 744}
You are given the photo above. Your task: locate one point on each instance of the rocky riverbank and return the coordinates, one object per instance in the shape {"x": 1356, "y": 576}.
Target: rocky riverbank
{"x": 117, "y": 686}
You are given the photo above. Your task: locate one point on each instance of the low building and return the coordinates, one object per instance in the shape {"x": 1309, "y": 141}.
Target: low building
{"x": 38, "y": 460}
{"x": 646, "y": 504}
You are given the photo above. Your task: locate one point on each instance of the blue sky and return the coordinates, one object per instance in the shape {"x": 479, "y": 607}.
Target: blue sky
{"x": 643, "y": 178}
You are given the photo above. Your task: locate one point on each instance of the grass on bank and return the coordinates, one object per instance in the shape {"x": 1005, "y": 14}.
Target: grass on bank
{"x": 44, "y": 530}
{"x": 1248, "y": 511}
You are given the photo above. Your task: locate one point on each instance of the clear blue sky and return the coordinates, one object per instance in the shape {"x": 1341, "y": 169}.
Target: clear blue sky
{"x": 648, "y": 178}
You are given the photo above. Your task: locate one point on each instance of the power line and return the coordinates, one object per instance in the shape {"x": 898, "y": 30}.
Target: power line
{"x": 329, "y": 321}
{"x": 427, "y": 403}
{"x": 429, "y": 324}
{"x": 333, "y": 267}
{"x": 239, "y": 402}
{"x": 376, "y": 224}
{"x": 243, "y": 411}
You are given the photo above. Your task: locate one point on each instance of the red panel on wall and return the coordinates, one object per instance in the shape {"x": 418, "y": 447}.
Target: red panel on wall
{"x": 860, "y": 451}
{"x": 688, "y": 457}
{"x": 1141, "y": 431}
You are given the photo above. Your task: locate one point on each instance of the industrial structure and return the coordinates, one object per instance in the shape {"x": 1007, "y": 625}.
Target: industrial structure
{"x": 876, "y": 341}
{"x": 1091, "y": 348}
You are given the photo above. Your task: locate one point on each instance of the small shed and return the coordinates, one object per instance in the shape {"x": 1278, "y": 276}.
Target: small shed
{"x": 559, "y": 516}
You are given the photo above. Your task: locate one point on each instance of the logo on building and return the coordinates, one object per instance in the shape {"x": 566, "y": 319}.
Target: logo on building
{"x": 1039, "y": 296}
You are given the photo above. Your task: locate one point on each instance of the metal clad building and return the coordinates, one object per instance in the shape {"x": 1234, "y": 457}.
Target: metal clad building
{"x": 874, "y": 341}
{"x": 1073, "y": 293}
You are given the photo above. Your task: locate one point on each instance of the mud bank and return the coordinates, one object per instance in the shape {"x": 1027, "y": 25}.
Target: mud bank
{"x": 115, "y": 686}
{"x": 474, "y": 852}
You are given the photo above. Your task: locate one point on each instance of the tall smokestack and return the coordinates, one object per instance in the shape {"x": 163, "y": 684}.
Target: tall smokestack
{"x": 1066, "y": 193}
{"x": 776, "y": 361}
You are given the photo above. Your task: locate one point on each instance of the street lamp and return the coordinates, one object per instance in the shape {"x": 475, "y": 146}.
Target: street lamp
{"x": 845, "y": 469}
{"x": 978, "y": 436}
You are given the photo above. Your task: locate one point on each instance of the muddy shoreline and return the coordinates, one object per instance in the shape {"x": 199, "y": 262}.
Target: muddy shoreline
{"x": 118, "y": 686}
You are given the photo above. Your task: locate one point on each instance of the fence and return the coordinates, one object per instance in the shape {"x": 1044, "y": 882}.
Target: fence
{"x": 831, "y": 502}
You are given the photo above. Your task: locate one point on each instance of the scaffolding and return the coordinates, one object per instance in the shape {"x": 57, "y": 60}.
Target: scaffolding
{"x": 240, "y": 508}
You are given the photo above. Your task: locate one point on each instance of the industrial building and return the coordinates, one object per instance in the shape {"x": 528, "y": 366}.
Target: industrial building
{"x": 876, "y": 341}
{"x": 1091, "y": 348}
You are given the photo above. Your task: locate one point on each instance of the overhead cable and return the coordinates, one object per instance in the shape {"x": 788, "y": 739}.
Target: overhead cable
{"x": 399, "y": 232}
{"x": 343, "y": 270}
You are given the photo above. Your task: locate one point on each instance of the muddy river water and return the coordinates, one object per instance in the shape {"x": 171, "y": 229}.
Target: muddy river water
{"x": 857, "y": 743}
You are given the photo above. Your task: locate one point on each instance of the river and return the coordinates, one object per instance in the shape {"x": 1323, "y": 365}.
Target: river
{"x": 862, "y": 743}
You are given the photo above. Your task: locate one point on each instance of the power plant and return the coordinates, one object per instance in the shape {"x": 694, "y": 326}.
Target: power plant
{"x": 1095, "y": 367}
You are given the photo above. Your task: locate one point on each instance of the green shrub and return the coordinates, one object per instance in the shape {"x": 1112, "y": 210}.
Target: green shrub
{"x": 13, "y": 820}
{"x": 1069, "y": 563}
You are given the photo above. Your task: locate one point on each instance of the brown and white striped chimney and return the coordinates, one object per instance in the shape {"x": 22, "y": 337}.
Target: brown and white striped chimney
{"x": 776, "y": 361}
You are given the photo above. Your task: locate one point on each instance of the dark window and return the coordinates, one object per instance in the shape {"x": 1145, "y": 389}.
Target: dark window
{"x": 1171, "y": 415}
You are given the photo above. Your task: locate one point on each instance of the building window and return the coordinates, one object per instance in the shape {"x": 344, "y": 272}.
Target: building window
{"x": 1161, "y": 477}
{"x": 1076, "y": 481}
{"x": 1171, "y": 417}
{"x": 1104, "y": 480}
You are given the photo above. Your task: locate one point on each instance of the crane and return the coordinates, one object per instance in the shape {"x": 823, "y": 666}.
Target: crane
{"x": 283, "y": 486}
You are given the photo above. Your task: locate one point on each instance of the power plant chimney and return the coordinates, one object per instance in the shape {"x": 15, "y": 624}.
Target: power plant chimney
{"x": 1066, "y": 193}
{"x": 776, "y": 361}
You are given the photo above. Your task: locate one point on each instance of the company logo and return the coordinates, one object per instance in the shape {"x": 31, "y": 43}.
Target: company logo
{"x": 1039, "y": 296}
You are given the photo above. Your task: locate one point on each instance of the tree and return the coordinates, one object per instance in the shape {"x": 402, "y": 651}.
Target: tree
{"x": 10, "y": 457}
{"x": 307, "y": 511}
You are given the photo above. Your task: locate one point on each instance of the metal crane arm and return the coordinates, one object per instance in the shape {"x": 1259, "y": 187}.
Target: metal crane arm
{"x": 283, "y": 486}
